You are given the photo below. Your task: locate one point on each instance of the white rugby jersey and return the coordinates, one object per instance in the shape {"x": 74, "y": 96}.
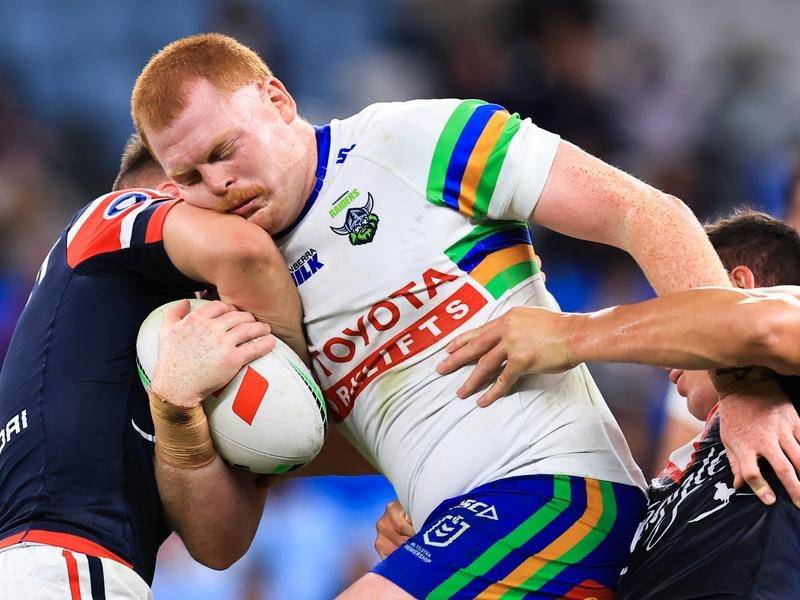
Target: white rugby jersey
{"x": 416, "y": 232}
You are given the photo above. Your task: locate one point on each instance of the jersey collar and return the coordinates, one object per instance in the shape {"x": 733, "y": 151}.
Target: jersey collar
{"x": 323, "y": 135}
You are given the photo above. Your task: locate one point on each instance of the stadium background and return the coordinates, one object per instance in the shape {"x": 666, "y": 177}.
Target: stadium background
{"x": 695, "y": 98}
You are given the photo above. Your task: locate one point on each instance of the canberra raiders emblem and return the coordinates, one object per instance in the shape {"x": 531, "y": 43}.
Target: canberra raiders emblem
{"x": 360, "y": 224}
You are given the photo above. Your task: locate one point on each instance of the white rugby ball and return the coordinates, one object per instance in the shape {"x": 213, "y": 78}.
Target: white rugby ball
{"x": 270, "y": 418}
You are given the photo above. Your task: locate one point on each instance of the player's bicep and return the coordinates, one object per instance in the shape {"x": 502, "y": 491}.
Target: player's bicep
{"x": 586, "y": 198}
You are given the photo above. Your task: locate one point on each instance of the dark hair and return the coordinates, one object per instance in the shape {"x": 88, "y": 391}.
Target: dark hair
{"x": 137, "y": 168}
{"x": 765, "y": 245}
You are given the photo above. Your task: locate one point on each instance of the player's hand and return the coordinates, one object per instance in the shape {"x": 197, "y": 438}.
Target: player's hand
{"x": 760, "y": 422}
{"x": 201, "y": 351}
{"x": 393, "y": 528}
{"x": 523, "y": 341}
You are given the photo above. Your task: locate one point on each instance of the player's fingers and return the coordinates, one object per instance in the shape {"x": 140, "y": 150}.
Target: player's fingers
{"x": 748, "y": 465}
{"x": 246, "y": 332}
{"x": 468, "y": 353}
{"x": 175, "y": 313}
{"x": 211, "y": 310}
{"x": 233, "y": 318}
{"x": 789, "y": 478}
{"x": 488, "y": 365}
{"x": 385, "y": 546}
{"x": 254, "y": 348}
{"x": 489, "y": 328}
{"x": 401, "y": 524}
{"x": 502, "y": 385}
{"x": 737, "y": 474}
{"x": 463, "y": 339}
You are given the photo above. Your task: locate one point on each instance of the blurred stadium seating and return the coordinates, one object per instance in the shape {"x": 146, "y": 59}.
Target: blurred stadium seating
{"x": 696, "y": 98}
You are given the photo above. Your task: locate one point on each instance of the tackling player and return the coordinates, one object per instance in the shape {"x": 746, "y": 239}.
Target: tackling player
{"x": 401, "y": 225}
{"x": 700, "y": 537}
{"x": 80, "y": 513}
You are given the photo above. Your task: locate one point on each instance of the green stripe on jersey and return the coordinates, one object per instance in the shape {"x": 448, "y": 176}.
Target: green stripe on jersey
{"x": 459, "y": 250}
{"x": 513, "y": 275}
{"x": 488, "y": 181}
{"x": 444, "y": 149}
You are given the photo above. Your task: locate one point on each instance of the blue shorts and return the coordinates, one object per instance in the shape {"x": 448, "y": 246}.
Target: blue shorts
{"x": 538, "y": 536}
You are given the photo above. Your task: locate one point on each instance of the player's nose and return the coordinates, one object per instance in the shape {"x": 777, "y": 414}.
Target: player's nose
{"x": 674, "y": 375}
{"x": 217, "y": 179}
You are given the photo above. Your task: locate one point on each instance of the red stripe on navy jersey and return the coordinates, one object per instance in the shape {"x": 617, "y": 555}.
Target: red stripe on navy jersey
{"x": 155, "y": 226}
{"x": 99, "y": 232}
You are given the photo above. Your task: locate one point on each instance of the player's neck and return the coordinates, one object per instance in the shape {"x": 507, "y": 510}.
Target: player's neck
{"x": 308, "y": 138}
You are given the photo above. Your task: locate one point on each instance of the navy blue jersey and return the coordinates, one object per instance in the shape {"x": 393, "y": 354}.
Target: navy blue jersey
{"x": 701, "y": 539}
{"x": 76, "y": 448}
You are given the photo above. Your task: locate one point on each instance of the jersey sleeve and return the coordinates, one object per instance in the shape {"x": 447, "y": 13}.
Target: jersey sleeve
{"x": 469, "y": 155}
{"x": 115, "y": 222}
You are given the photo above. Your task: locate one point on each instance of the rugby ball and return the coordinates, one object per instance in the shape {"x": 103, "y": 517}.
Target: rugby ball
{"x": 270, "y": 418}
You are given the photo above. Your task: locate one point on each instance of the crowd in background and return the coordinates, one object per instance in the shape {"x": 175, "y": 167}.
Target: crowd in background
{"x": 696, "y": 99}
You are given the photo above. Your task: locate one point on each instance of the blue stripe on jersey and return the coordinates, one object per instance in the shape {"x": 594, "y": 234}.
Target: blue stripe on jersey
{"x": 496, "y": 241}
{"x": 463, "y": 150}
{"x": 323, "y": 135}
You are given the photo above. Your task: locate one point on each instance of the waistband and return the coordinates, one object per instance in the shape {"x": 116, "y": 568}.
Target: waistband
{"x": 62, "y": 540}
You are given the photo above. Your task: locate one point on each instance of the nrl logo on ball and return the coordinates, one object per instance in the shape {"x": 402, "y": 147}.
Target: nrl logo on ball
{"x": 360, "y": 224}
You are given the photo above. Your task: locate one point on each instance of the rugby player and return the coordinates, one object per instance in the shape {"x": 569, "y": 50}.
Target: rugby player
{"x": 80, "y": 514}
{"x": 701, "y": 538}
{"x": 401, "y": 225}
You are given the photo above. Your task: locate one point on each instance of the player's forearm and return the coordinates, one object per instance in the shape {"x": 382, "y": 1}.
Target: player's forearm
{"x": 259, "y": 283}
{"x": 215, "y": 509}
{"x": 694, "y": 329}
{"x": 242, "y": 261}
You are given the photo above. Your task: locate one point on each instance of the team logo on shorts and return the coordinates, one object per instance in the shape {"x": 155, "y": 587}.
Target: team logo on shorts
{"x": 445, "y": 531}
{"x": 360, "y": 224}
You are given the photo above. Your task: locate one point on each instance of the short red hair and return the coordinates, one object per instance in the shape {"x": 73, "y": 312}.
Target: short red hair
{"x": 160, "y": 92}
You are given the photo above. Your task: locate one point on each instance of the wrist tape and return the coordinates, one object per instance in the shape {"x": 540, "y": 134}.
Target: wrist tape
{"x": 182, "y": 437}
{"x": 736, "y": 379}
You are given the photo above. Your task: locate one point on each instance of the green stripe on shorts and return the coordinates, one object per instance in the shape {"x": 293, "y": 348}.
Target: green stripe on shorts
{"x": 562, "y": 496}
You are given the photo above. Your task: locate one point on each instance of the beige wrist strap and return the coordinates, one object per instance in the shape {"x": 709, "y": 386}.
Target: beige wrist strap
{"x": 736, "y": 379}
{"x": 182, "y": 437}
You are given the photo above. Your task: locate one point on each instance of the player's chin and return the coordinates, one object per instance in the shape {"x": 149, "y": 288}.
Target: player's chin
{"x": 264, "y": 218}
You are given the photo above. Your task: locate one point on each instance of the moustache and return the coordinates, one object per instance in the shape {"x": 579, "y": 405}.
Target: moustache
{"x": 234, "y": 198}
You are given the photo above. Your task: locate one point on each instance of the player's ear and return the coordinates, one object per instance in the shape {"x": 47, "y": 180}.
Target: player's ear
{"x": 742, "y": 277}
{"x": 274, "y": 92}
{"x": 170, "y": 188}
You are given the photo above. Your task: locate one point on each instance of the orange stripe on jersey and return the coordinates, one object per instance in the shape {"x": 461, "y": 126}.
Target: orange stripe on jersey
{"x": 72, "y": 574}
{"x": 155, "y": 227}
{"x": 477, "y": 161}
{"x": 498, "y": 261}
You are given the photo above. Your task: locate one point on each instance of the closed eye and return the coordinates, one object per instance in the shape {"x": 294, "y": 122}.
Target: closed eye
{"x": 221, "y": 153}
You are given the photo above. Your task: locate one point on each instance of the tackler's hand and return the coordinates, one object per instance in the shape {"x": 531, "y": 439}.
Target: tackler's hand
{"x": 760, "y": 422}
{"x": 393, "y": 529}
{"x": 523, "y": 341}
{"x": 201, "y": 351}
